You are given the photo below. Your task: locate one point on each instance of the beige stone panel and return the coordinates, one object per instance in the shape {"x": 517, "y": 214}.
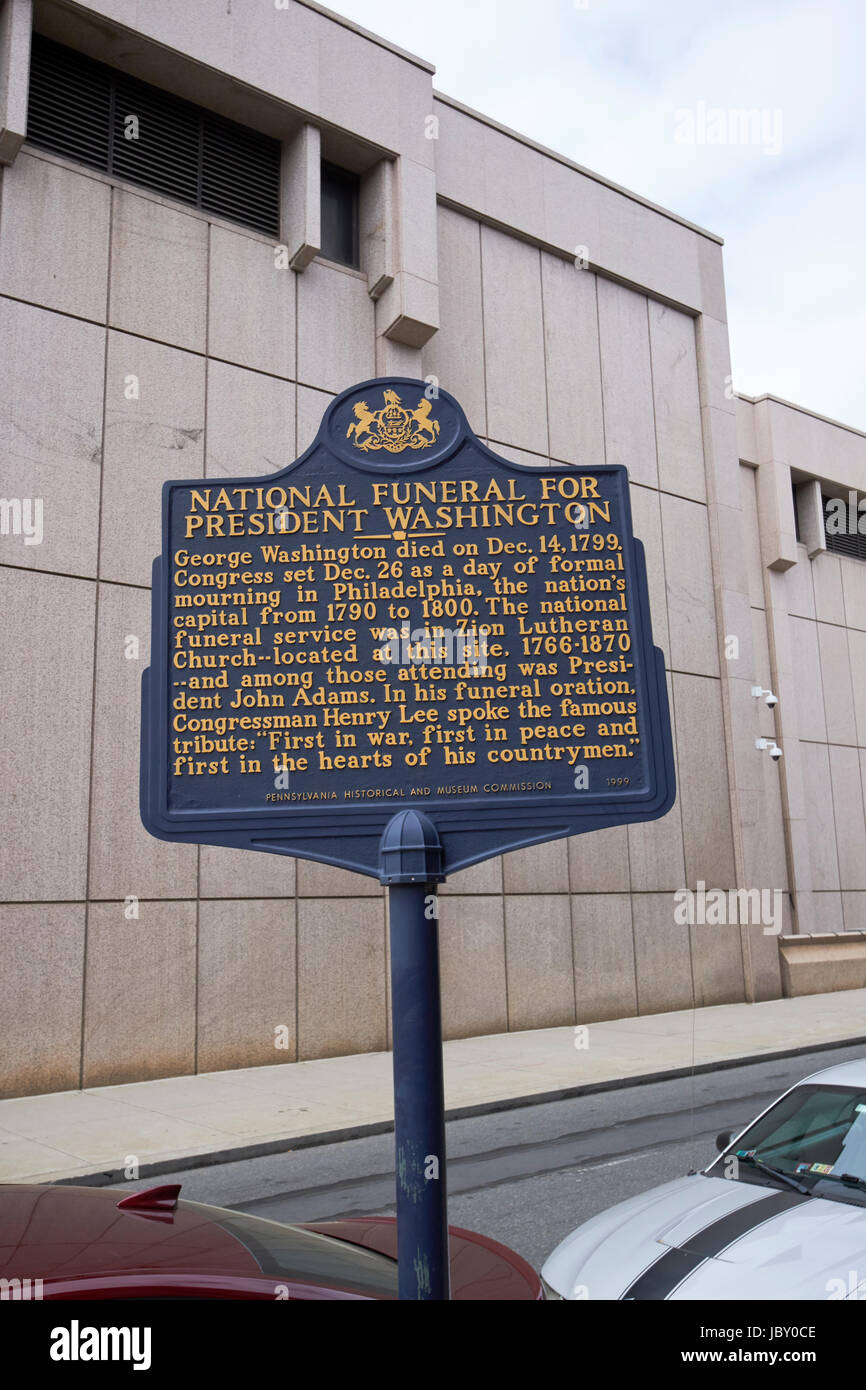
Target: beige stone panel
{"x": 158, "y": 271}
{"x": 54, "y": 237}
{"x": 599, "y": 862}
{"x": 836, "y": 684}
{"x": 512, "y": 177}
{"x": 632, "y": 241}
{"x": 643, "y": 247}
{"x": 849, "y": 817}
{"x": 662, "y": 955}
{"x": 51, "y": 379}
{"x": 717, "y": 963}
{"x": 60, "y": 504}
{"x": 311, "y": 406}
{"x": 242, "y": 873}
{"x": 857, "y": 658}
{"x": 811, "y": 722}
{"x": 854, "y": 911}
{"x": 647, "y": 526}
{"x": 472, "y": 966}
{"x": 689, "y": 579}
{"x": 735, "y": 619}
{"x": 124, "y": 859}
{"x": 762, "y": 675}
{"x": 251, "y": 304}
{"x": 46, "y": 678}
{"x": 572, "y": 218}
{"x": 712, "y": 278}
{"x": 485, "y": 877}
{"x": 157, "y": 438}
{"x": 604, "y": 970}
{"x": 417, "y": 216}
{"x": 139, "y": 1002}
{"x": 341, "y": 977}
{"x": 722, "y": 456}
{"x": 703, "y": 782}
{"x": 514, "y": 344}
{"x": 246, "y": 984}
{"x": 41, "y": 969}
{"x": 626, "y": 377}
{"x": 820, "y": 827}
{"x": 798, "y": 587}
{"x": 656, "y": 853}
{"x": 250, "y": 422}
{"x": 539, "y": 961}
{"x": 714, "y": 367}
{"x": 655, "y": 848}
{"x": 746, "y": 433}
{"x": 537, "y": 869}
{"x": 317, "y": 880}
{"x": 827, "y": 583}
{"x": 728, "y": 543}
{"x": 336, "y": 336}
{"x": 573, "y": 365}
{"x": 763, "y": 956}
{"x": 408, "y": 310}
{"x": 51, "y": 376}
{"x": 750, "y": 537}
{"x": 456, "y": 353}
{"x": 523, "y": 456}
{"x": 827, "y": 913}
{"x": 758, "y": 783}
{"x": 398, "y": 359}
{"x": 854, "y": 591}
{"x": 677, "y": 405}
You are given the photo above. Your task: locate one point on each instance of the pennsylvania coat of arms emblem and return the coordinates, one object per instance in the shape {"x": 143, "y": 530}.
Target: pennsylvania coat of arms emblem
{"x": 393, "y": 427}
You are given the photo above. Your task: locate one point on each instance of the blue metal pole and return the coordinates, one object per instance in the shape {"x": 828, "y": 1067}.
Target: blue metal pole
{"x": 419, "y": 1101}
{"x": 411, "y": 865}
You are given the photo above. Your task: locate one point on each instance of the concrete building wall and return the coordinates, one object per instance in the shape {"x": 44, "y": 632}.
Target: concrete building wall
{"x": 142, "y": 340}
{"x": 809, "y": 609}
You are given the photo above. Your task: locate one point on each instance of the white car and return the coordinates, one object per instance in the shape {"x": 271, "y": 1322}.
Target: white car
{"x": 780, "y": 1214}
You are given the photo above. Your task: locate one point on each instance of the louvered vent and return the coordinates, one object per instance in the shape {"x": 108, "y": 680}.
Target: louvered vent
{"x": 84, "y": 110}
{"x": 848, "y": 542}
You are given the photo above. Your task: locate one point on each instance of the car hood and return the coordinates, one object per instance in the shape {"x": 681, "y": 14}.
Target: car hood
{"x": 710, "y": 1237}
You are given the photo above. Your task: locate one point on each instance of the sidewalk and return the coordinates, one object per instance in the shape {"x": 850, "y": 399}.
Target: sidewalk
{"x": 227, "y": 1115}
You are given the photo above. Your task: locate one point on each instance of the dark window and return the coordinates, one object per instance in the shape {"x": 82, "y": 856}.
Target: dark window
{"x": 101, "y": 117}
{"x": 845, "y": 525}
{"x": 340, "y": 215}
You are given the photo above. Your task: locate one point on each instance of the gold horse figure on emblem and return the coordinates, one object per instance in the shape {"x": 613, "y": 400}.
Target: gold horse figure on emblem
{"x": 415, "y": 429}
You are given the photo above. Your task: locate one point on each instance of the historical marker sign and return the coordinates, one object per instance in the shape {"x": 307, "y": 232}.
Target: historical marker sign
{"x": 401, "y": 619}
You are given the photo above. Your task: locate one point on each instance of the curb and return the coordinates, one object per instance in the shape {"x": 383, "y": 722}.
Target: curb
{"x": 109, "y": 1177}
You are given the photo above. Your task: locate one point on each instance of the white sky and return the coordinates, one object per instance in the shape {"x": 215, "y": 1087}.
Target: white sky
{"x": 603, "y": 84}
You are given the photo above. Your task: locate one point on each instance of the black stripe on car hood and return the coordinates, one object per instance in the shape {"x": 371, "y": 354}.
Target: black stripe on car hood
{"x": 676, "y": 1264}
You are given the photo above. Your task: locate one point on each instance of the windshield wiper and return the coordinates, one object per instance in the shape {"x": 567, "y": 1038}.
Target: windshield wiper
{"x": 849, "y": 1179}
{"x": 774, "y": 1172}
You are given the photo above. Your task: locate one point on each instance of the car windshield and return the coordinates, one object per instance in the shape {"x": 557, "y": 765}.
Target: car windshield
{"x": 816, "y": 1134}
{"x": 291, "y": 1253}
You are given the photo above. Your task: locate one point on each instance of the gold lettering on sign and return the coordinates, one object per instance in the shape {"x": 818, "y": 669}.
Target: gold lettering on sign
{"x": 390, "y": 637}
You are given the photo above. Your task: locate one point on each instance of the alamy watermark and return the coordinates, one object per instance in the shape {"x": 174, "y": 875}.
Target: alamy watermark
{"x": 22, "y": 516}
{"x": 717, "y": 125}
{"x": 736, "y": 906}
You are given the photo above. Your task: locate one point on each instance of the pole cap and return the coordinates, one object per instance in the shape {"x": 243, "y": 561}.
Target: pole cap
{"x": 410, "y": 850}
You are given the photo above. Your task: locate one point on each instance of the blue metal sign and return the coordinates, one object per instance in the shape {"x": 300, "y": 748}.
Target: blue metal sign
{"x": 400, "y": 620}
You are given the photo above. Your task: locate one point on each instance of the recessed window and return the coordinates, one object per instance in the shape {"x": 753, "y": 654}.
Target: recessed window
{"x": 340, "y": 191}
{"x": 845, "y": 525}
{"x": 101, "y": 117}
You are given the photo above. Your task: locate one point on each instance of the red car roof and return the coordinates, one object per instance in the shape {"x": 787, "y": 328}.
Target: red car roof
{"x": 46, "y": 1232}
{"x": 80, "y": 1233}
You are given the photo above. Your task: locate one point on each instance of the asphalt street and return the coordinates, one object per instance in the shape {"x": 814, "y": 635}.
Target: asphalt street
{"x": 526, "y": 1176}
